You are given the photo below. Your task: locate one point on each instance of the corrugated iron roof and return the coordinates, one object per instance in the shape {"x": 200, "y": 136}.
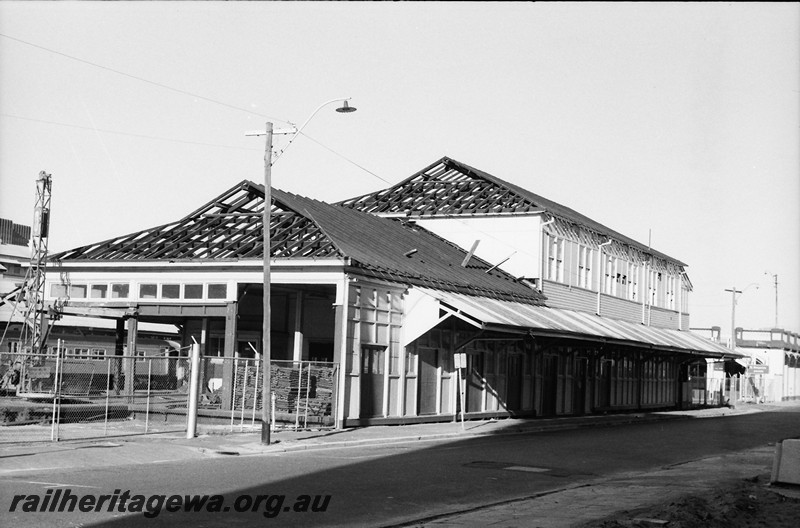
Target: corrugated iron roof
{"x": 553, "y": 321}
{"x": 231, "y": 227}
{"x": 449, "y": 187}
{"x": 399, "y": 251}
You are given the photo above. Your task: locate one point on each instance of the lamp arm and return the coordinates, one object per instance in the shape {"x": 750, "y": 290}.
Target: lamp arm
{"x": 300, "y": 129}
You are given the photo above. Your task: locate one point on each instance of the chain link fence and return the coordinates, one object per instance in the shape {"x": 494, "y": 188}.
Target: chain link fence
{"x": 756, "y": 388}
{"x": 57, "y": 396}
{"x": 752, "y": 388}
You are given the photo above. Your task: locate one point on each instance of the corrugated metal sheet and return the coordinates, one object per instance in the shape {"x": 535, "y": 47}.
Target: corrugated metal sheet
{"x": 562, "y": 296}
{"x": 406, "y": 253}
{"x": 544, "y": 319}
{"x": 231, "y": 227}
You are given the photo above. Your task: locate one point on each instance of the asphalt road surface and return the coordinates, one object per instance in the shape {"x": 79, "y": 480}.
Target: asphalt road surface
{"x": 379, "y": 485}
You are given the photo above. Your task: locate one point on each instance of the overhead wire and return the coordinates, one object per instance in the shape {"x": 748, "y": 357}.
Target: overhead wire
{"x": 142, "y": 79}
{"x": 176, "y": 90}
{"x": 184, "y": 92}
{"x": 143, "y": 136}
{"x": 345, "y": 158}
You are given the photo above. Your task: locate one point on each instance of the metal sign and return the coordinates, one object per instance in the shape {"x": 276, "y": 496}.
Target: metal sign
{"x": 759, "y": 369}
{"x": 38, "y": 372}
{"x": 460, "y": 360}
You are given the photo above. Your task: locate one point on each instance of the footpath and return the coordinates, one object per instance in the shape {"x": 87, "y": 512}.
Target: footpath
{"x": 587, "y": 501}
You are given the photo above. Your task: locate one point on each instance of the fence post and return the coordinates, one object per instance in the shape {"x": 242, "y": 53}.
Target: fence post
{"x": 233, "y": 392}
{"x": 244, "y": 393}
{"x": 297, "y": 397}
{"x": 56, "y": 402}
{"x": 273, "y": 399}
{"x": 108, "y": 390}
{"x": 255, "y": 393}
{"x": 308, "y": 394}
{"x": 194, "y": 385}
{"x": 147, "y": 402}
{"x": 335, "y": 396}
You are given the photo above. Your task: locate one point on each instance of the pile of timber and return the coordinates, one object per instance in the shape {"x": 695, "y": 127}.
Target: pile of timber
{"x": 295, "y": 389}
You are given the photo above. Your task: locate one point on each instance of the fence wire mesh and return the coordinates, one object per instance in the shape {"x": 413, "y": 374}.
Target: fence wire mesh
{"x": 65, "y": 397}
{"x": 756, "y": 388}
{"x": 58, "y": 396}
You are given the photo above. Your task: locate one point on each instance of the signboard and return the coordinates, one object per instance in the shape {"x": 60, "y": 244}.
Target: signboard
{"x": 759, "y": 369}
{"x": 38, "y": 372}
{"x": 460, "y": 359}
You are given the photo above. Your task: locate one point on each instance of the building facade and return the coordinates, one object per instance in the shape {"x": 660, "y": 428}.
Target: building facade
{"x": 593, "y": 278}
{"x": 421, "y": 325}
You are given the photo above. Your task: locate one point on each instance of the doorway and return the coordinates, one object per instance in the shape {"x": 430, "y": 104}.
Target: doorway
{"x": 428, "y": 379}
{"x": 514, "y": 387}
{"x": 580, "y": 381}
{"x": 372, "y": 378}
{"x": 549, "y": 385}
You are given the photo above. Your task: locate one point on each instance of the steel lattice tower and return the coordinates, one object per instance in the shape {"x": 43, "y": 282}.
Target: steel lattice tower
{"x": 34, "y": 327}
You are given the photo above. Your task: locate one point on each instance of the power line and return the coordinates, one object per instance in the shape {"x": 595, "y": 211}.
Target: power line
{"x": 141, "y": 79}
{"x": 176, "y": 90}
{"x": 144, "y": 136}
{"x": 345, "y": 158}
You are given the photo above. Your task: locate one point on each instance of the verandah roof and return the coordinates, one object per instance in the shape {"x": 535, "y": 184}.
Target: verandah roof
{"x": 546, "y": 321}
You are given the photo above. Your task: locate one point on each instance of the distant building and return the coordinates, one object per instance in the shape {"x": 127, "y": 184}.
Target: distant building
{"x": 84, "y": 337}
{"x": 14, "y": 257}
{"x": 774, "y": 355}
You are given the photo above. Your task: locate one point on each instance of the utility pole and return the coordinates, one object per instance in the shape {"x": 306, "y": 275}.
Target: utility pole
{"x": 733, "y": 291}
{"x": 266, "y": 389}
{"x": 775, "y": 278}
{"x": 266, "y": 355}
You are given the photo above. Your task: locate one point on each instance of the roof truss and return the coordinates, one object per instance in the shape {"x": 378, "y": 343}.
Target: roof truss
{"x": 228, "y": 227}
{"x": 444, "y": 189}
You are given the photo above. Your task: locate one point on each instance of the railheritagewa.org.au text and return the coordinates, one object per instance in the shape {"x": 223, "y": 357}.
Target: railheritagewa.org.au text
{"x": 63, "y": 500}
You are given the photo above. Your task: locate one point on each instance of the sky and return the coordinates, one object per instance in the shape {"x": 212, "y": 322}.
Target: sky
{"x": 673, "y": 123}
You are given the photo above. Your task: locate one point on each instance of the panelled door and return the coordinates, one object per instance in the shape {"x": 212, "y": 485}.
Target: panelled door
{"x": 549, "y": 385}
{"x": 428, "y": 379}
{"x": 372, "y": 379}
{"x": 514, "y": 386}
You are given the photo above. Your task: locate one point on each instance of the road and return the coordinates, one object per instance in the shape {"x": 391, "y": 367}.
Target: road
{"x": 392, "y": 484}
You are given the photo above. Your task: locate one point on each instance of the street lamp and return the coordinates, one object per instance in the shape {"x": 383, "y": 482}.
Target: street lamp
{"x": 734, "y": 291}
{"x": 269, "y": 160}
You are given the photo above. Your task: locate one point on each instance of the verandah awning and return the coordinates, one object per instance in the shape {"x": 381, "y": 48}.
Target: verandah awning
{"x": 542, "y": 320}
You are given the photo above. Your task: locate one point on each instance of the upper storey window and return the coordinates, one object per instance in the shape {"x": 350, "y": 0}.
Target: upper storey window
{"x": 555, "y": 259}
{"x": 633, "y": 279}
{"x": 670, "y": 292}
{"x": 585, "y": 256}
{"x": 610, "y": 283}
